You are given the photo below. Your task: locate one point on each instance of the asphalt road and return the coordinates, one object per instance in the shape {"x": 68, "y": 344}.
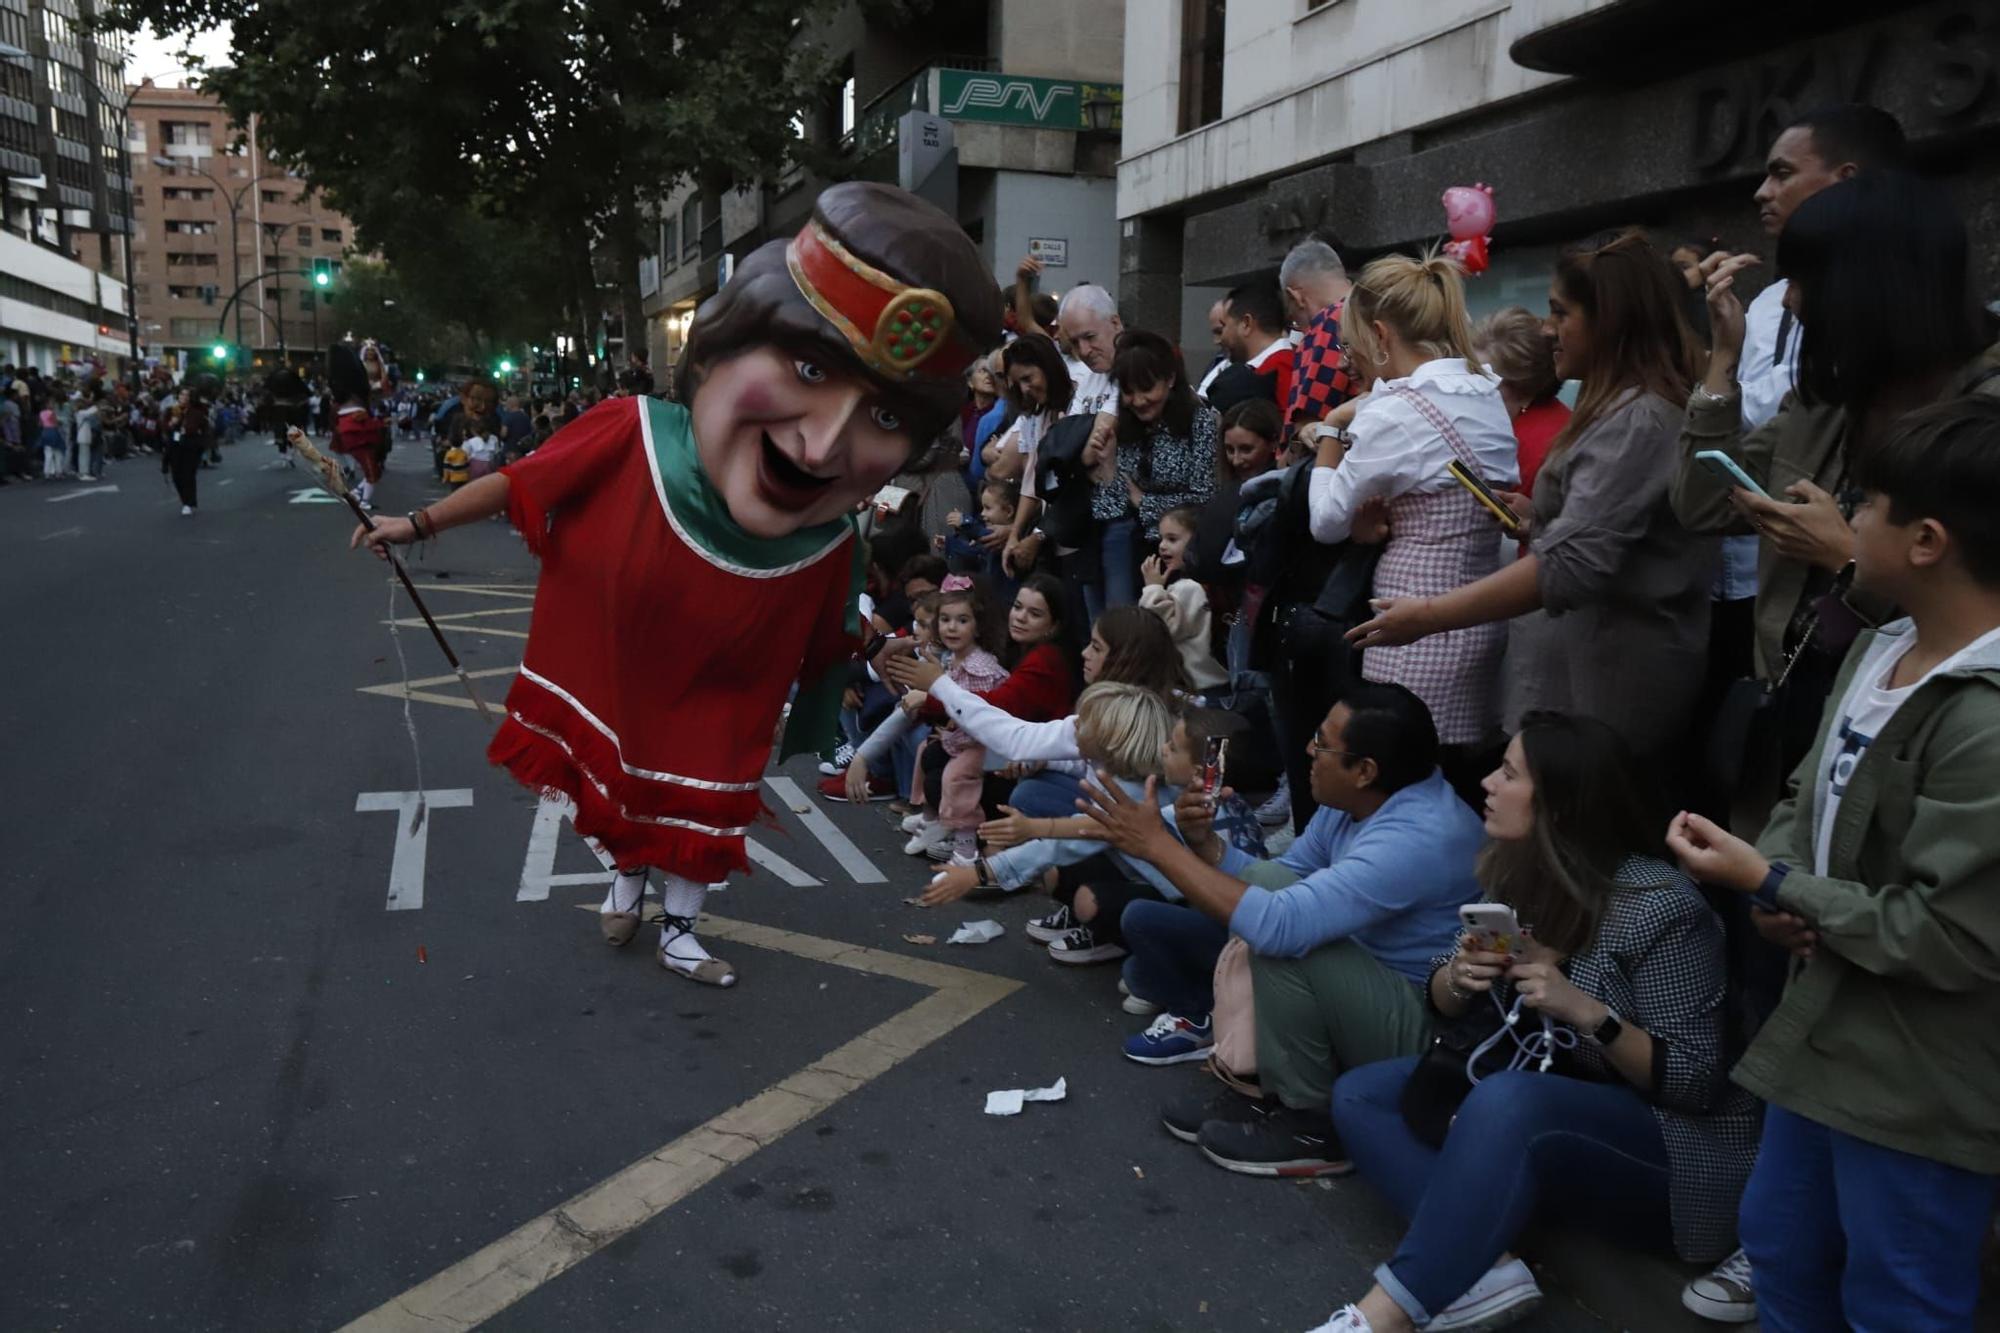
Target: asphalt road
{"x": 241, "y": 1092}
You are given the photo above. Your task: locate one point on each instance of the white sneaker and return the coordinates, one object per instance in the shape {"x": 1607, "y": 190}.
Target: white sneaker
{"x": 187, "y": 511}
{"x": 1080, "y": 945}
{"x": 1132, "y": 1004}
{"x": 1507, "y": 1292}
{"x": 933, "y": 840}
{"x": 843, "y": 755}
{"x": 1347, "y": 1319}
{"x": 1277, "y": 809}
{"x": 1725, "y": 1295}
{"x": 913, "y": 822}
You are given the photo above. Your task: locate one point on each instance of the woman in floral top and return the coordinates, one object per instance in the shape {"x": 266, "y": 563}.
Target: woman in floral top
{"x": 1163, "y": 458}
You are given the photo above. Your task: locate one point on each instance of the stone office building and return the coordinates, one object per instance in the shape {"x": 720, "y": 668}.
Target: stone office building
{"x": 1250, "y": 124}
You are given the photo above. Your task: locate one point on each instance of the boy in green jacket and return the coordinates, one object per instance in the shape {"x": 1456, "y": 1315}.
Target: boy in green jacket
{"x": 1881, "y": 1065}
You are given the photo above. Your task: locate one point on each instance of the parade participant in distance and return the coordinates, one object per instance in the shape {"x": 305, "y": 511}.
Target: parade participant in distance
{"x": 357, "y": 432}
{"x": 699, "y": 559}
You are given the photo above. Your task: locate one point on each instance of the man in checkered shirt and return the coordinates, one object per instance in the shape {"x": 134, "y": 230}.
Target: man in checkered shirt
{"x": 1315, "y": 283}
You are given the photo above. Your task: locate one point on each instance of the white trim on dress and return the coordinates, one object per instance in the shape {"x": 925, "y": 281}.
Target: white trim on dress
{"x": 651, "y": 775}
{"x": 667, "y": 821}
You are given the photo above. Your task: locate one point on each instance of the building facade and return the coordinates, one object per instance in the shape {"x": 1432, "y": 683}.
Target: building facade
{"x": 216, "y": 217}
{"x": 65, "y": 199}
{"x": 1251, "y": 124}
{"x": 1002, "y": 112}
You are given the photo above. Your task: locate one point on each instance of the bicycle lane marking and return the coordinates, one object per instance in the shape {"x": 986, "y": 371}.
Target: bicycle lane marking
{"x": 489, "y": 1280}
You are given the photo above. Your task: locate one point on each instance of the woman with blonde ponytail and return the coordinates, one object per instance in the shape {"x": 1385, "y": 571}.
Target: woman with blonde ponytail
{"x": 1404, "y": 325}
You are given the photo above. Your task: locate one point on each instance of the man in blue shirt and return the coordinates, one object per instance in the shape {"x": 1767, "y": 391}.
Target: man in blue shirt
{"x": 1339, "y": 957}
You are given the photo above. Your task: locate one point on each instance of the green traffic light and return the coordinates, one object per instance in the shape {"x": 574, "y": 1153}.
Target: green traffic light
{"x": 219, "y": 352}
{"x": 322, "y": 278}
{"x": 420, "y": 377}
{"x": 506, "y": 367}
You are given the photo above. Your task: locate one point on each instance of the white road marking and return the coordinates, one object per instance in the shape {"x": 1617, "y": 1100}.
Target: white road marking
{"x": 406, "y": 869}
{"x": 312, "y": 495}
{"x": 538, "y": 867}
{"x": 858, "y": 867}
{"x": 778, "y": 865}
{"x": 227, "y": 481}
{"x": 61, "y": 532}
{"x": 78, "y": 495}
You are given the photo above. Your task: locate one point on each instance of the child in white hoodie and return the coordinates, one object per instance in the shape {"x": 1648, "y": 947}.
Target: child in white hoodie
{"x": 1180, "y": 601}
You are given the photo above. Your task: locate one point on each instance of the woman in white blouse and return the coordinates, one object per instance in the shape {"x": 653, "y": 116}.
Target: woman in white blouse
{"x": 1404, "y": 325}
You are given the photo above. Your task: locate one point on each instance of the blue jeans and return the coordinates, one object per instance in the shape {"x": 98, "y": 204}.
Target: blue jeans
{"x": 1046, "y": 795}
{"x": 1119, "y": 543}
{"x": 1587, "y": 1154}
{"x": 1173, "y": 952}
{"x": 903, "y": 758}
{"x": 1847, "y": 1234}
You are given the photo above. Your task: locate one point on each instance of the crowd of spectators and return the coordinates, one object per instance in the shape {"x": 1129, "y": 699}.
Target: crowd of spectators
{"x": 1668, "y": 626}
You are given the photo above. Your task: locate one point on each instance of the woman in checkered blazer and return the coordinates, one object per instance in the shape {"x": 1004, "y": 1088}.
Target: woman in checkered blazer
{"x": 1633, "y": 1130}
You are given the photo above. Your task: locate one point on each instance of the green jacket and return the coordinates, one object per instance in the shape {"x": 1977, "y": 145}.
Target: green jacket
{"x": 1800, "y": 443}
{"x": 1891, "y": 1031}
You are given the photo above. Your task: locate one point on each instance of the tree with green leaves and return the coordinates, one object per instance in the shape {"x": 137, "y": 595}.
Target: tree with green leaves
{"x": 557, "y": 120}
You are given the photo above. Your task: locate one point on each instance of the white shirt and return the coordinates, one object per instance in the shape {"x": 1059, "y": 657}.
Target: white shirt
{"x": 1396, "y": 451}
{"x": 1768, "y": 370}
{"x": 1095, "y": 393}
{"x": 1865, "y": 709}
{"x": 1277, "y": 345}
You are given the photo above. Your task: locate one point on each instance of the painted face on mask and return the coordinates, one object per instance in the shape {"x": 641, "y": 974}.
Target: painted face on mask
{"x": 790, "y": 443}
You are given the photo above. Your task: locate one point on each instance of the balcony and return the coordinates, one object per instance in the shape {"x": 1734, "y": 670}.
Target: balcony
{"x": 1618, "y": 39}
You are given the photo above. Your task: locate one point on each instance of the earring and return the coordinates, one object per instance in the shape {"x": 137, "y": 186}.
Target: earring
{"x": 1381, "y": 357}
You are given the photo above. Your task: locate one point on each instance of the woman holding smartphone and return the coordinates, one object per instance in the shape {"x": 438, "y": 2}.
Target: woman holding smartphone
{"x": 1636, "y": 1133}
{"x": 1609, "y": 607}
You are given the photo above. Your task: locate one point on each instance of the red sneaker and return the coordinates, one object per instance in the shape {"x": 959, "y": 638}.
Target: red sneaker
{"x": 880, "y": 787}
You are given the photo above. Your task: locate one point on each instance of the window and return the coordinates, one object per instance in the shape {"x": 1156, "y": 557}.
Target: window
{"x": 272, "y": 196}
{"x": 186, "y": 134}
{"x": 847, "y": 106}
{"x": 196, "y": 194}
{"x": 305, "y": 235}
{"x": 180, "y": 227}
{"x": 138, "y": 195}
{"x": 1202, "y": 23}
{"x": 186, "y": 329}
{"x": 670, "y": 242}
{"x": 189, "y": 259}
{"x": 177, "y": 292}
{"x": 691, "y": 227}
{"x": 306, "y": 299}
{"x": 331, "y": 235}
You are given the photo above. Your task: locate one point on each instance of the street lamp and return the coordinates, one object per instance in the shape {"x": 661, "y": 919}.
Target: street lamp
{"x": 9, "y": 51}
{"x": 1100, "y": 114}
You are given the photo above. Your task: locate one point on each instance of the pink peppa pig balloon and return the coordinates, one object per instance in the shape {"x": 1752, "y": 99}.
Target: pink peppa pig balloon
{"x": 1468, "y": 211}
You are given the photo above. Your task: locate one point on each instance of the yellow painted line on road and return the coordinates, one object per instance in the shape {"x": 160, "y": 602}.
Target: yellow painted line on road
{"x": 488, "y": 1281}
{"x": 420, "y": 689}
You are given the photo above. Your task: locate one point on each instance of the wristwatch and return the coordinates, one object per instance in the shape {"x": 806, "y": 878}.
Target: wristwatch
{"x": 1607, "y": 1032}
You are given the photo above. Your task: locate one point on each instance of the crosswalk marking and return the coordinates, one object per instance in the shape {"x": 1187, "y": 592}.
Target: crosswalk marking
{"x": 857, "y": 865}
{"x": 413, "y": 836}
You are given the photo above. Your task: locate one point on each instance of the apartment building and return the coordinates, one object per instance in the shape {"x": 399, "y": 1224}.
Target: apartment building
{"x": 214, "y": 216}
{"x": 1250, "y": 124}
{"x": 62, "y": 188}
{"x": 1002, "y": 112}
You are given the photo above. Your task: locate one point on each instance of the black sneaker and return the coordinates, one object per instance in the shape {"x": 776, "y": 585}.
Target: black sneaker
{"x": 1282, "y": 1142}
{"x": 1184, "y": 1116}
{"x": 1048, "y": 929}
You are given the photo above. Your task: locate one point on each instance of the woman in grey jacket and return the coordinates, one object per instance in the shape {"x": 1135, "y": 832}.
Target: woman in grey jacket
{"x": 1610, "y": 604}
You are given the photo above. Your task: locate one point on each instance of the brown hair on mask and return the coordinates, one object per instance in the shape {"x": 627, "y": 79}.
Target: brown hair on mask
{"x": 894, "y": 231}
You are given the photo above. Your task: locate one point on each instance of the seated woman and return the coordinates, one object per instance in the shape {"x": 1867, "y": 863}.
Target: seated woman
{"x": 1636, "y": 1134}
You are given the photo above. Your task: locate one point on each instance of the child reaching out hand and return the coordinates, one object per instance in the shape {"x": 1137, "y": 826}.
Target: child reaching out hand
{"x": 1181, "y": 602}
{"x": 950, "y": 764}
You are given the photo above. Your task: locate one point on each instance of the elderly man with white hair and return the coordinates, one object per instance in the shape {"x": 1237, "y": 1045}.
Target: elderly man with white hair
{"x": 1315, "y": 284}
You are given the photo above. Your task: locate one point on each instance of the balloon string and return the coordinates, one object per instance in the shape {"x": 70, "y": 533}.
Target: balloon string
{"x": 409, "y": 717}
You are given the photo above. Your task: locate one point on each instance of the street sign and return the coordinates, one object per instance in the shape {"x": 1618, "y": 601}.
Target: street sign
{"x": 1018, "y": 99}
{"x": 1053, "y": 251}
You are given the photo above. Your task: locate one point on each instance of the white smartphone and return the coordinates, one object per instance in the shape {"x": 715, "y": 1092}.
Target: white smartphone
{"x": 1727, "y": 472}
{"x": 1492, "y": 927}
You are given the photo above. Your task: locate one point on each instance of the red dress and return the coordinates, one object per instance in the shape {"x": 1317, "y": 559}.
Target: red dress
{"x": 360, "y": 434}
{"x": 664, "y": 641}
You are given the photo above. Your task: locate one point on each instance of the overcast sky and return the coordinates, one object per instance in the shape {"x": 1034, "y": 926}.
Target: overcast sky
{"x": 159, "y": 57}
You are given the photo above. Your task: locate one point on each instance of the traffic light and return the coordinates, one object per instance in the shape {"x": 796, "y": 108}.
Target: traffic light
{"x": 420, "y": 377}
{"x": 506, "y": 366}
{"x": 219, "y": 352}
{"x": 322, "y": 272}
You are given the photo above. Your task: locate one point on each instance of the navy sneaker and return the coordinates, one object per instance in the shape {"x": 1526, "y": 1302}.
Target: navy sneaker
{"x": 1171, "y": 1040}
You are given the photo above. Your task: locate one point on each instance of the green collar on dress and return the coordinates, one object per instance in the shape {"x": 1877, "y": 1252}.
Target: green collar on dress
{"x": 697, "y": 510}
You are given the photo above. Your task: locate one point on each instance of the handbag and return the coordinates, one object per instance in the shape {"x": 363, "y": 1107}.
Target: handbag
{"x": 1439, "y": 1084}
{"x": 1063, "y": 483}
{"x": 1235, "y": 1015}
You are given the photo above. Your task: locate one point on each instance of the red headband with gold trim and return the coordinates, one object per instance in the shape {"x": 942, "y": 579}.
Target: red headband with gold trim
{"x": 898, "y": 331}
